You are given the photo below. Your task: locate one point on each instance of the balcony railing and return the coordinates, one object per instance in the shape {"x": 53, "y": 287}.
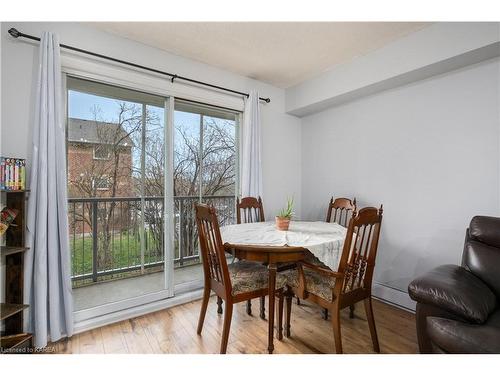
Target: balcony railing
{"x": 123, "y": 236}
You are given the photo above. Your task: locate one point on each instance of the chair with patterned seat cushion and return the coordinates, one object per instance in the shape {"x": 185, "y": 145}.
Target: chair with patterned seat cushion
{"x": 336, "y": 290}
{"x": 249, "y": 276}
{"x": 340, "y": 211}
{"x": 237, "y": 282}
{"x": 315, "y": 283}
{"x": 251, "y": 210}
{"x": 312, "y": 259}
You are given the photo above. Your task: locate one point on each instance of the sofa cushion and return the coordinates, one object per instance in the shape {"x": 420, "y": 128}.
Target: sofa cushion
{"x": 458, "y": 337}
{"x": 483, "y": 261}
{"x": 485, "y": 229}
{"x": 456, "y": 290}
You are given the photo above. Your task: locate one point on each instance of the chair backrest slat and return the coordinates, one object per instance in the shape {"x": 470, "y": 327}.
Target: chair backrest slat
{"x": 252, "y": 209}
{"x": 364, "y": 254}
{"x": 340, "y": 210}
{"x": 360, "y": 249}
{"x": 212, "y": 249}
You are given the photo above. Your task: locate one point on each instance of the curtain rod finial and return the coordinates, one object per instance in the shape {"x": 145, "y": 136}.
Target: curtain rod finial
{"x": 13, "y": 32}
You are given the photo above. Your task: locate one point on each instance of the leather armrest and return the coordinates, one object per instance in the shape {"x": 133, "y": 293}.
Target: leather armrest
{"x": 454, "y": 289}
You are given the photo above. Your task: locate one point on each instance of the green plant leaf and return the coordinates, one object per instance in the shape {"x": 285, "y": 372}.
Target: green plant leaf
{"x": 287, "y": 212}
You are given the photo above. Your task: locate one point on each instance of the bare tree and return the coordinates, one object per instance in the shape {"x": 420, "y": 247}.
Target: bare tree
{"x": 211, "y": 168}
{"x": 154, "y": 184}
{"x": 213, "y": 171}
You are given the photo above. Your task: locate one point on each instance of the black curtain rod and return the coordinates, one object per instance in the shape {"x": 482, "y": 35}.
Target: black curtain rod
{"x": 16, "y": 34}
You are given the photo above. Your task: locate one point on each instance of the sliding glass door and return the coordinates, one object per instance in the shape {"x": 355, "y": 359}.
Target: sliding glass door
{"x": 136, "y": 165}
{"x": 116, "y": 158}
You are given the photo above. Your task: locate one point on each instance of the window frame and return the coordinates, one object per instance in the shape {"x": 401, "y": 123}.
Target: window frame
{"x": 100, "y": 158}
{"x": 103, "y": 177}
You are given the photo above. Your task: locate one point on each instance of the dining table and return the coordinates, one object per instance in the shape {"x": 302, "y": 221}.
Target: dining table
{"x": 263, "y": 242}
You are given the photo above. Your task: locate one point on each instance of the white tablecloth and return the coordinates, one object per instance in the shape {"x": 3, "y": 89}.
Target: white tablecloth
{"x": 324, "y": 240}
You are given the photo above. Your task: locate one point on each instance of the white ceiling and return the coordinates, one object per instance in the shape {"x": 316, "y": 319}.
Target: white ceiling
{"x": 280, "y": 53}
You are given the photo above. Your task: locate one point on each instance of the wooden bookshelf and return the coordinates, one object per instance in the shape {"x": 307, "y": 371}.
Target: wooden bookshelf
{"x": 11, "y": 310}
{"x": 12, "y": 342}
{"x": 8, "y": 250}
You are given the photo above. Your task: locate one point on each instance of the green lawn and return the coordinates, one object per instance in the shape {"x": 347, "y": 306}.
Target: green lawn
{"x": 125, "y": 251}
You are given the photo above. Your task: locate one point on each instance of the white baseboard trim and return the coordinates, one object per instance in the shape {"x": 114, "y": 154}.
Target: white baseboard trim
{"x": 133, "y": 312}
{"x": 393, "y": 296}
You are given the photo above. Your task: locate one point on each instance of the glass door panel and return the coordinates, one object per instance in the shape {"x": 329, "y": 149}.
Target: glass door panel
{"x": 205, "y": 170}
{"x": 116, "y": 176}
{"x": 186, "y": 174}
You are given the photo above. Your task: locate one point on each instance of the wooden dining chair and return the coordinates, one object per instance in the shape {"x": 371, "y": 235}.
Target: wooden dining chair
{"x": 340, "y": 211}
{"x": 237, "y": 282}
{"x": 336, "y": 290}
{"x": 251, "y": 210}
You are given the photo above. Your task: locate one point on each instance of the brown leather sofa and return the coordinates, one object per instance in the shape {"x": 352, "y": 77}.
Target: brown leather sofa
{"x": 458, "y": 307}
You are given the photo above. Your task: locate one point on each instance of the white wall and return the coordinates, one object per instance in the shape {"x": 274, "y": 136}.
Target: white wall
{"x": 429, "y": 151}
{"x": 281, "y": 132}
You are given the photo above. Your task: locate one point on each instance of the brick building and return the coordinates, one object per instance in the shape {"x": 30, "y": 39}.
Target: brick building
{"x": 99, "y": 159}
{"x": 100, "y": 164}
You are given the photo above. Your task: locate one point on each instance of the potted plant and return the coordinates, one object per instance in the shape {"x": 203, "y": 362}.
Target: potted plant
{"x": 285, "y": 215}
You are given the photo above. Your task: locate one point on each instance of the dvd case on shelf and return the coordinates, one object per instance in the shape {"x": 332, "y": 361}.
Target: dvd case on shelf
{"x": 12, "y": 173}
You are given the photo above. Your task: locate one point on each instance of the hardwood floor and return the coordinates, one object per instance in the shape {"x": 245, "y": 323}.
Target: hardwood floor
{"x": 174, "y": 331}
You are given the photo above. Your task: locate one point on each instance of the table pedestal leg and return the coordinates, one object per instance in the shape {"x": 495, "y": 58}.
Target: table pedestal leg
{"x": 272, "y": 283}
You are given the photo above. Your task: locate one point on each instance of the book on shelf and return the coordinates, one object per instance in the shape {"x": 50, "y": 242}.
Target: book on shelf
{"x": 7, "y": 216}
{"x": 12, "y": 173}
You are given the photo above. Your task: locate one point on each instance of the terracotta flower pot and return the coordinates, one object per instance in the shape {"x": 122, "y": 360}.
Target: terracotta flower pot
{"x": 282, "y": 223}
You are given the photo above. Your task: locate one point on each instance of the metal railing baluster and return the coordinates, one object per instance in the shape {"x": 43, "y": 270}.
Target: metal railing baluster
{"x": 181, "y": 225}
{"x": 94, "y": 241}
{"x": 83, "y": 238}
{"x": 126, "y": 260}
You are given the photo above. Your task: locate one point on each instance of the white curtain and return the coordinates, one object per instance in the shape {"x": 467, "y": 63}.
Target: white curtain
{"x": 251, "y": 170}
{"x": 47, "y": 265}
